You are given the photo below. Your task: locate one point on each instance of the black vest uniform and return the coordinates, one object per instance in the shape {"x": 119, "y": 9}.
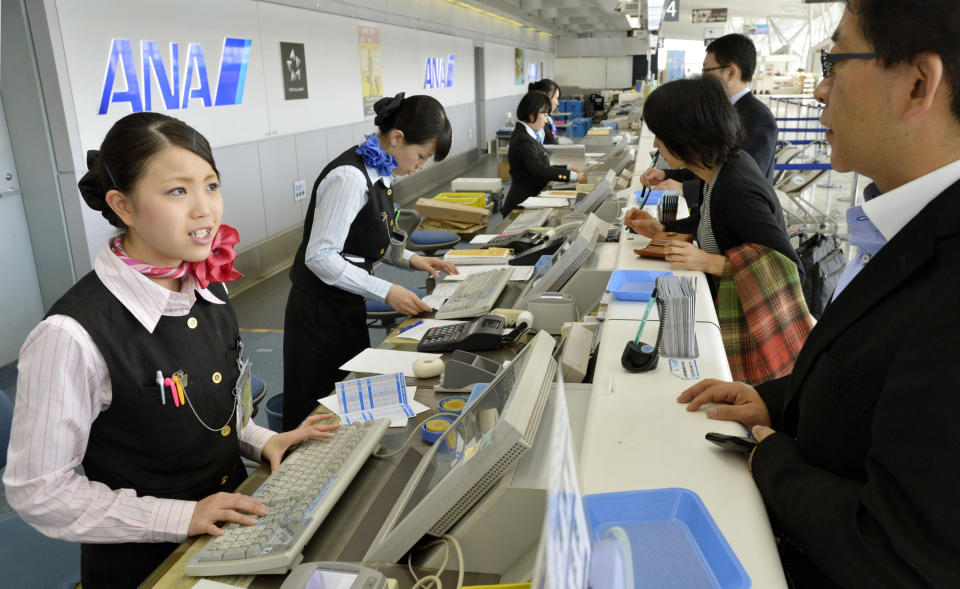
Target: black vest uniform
{"x": 324, "y": 326}
{"x": 141, "y": 444}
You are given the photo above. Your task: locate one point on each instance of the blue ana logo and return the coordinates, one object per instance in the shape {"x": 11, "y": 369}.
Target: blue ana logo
{"x": 176, "y": 93}
{"x": 439, "y": 74}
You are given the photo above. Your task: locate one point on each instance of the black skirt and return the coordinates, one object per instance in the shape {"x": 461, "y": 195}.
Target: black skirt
{"x": 320, "y": 333}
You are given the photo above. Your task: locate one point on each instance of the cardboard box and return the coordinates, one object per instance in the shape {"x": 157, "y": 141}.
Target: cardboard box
{"x": 503, "y": 170}
{"x": 447, "y": 211}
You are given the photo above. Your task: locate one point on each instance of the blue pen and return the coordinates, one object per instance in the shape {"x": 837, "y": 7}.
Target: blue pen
{"x": 163, "y": 397}
{"x": 409, "y": 327}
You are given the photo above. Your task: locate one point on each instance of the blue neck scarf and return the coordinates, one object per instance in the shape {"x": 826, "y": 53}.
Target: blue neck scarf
{"x": 374, "y": 156}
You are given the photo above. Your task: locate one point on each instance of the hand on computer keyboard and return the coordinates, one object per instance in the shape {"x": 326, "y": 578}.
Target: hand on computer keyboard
{"x": 224, "y": 507}
{"x": 311, "y": 427}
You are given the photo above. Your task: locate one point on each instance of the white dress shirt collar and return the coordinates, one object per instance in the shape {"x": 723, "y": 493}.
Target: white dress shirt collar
{"x": 739, "y": 95}
{"x": 530, "y": 130}
{"x": 890, "y": 211}
{"x": 146, "y": 300}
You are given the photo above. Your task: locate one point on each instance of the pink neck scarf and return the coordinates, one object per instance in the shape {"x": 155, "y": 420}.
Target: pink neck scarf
{"x": 217, "y": 267}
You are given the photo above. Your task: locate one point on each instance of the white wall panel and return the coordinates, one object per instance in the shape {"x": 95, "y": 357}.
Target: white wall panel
{"x": 87, "y": 38}
{"x": 242, "y": 191}
{"x": 278, "y": 168}
{"x": 619, "y": 72}
{"x": 499, "y": 71}
{"x": 333, "y": 84}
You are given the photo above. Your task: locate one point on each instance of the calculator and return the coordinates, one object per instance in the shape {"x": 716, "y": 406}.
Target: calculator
{"x": 483, "y": 333}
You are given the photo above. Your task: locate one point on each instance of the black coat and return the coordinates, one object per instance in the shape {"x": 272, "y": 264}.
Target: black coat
{"x": 862, "y": 474}
{"x": 759, "y": 140}
{"x": 530, "y": 168}
{"x": 743, "y": 209}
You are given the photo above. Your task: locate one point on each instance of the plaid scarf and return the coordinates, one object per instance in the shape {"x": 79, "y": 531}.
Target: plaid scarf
{"x": 763, "y": 316}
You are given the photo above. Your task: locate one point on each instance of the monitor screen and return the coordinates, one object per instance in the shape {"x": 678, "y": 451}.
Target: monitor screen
{"x": 600, "y": 192}
{"x": 479, "y": 447}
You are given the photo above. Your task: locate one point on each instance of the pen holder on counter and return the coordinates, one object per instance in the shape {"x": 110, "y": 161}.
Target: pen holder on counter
{"x": 398, "y": 238}
{"x": 639, "y": 357}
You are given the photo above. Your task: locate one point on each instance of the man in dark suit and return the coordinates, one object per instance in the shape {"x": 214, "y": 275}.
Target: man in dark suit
{"x": 857, "y": 461}
{"x": 732, "y": 59}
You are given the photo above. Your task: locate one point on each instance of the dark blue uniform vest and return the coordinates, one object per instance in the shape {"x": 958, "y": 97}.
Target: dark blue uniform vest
{"x": 141, "y": 444}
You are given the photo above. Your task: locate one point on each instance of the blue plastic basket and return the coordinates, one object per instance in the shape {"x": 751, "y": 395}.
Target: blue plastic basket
{"x": 652, "y": 199}
{"x": 674, "y": 542}
{"x": 634, "y": 285}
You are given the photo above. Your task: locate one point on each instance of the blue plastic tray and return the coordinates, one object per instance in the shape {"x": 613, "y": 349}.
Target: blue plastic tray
{"x": 674, "y": 542}
{"x": 634, "y": 285}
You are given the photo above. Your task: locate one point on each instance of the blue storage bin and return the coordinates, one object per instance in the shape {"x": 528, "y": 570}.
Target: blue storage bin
{"x": 634, "y": 285}
{"x": 674, "y": 542}
{"x": 612, "y": 124}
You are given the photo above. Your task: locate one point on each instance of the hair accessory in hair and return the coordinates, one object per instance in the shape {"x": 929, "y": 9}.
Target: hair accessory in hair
{"x": 218, "y": 267}
{"x": 374, "y": 156}
{"x": 385, "y": 107}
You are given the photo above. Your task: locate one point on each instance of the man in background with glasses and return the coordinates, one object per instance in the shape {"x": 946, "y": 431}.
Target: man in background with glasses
{"x": 857, "y": 461}
{"x": 732, "y": 59}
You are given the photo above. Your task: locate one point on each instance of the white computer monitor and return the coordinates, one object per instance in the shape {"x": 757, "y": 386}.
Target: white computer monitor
{"x": 600, "y": 192}
{"x": 481, "y": 445}
{"x": 567, "y": 260}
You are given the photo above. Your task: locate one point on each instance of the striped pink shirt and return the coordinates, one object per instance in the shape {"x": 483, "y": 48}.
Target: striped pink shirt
{"x": 63, "y": 384}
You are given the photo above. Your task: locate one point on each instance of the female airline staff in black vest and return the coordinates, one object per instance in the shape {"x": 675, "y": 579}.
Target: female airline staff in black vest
{"x": 155, "y": 472}
{"x": 552, "y": 91}
{"x": 530, "y": 168}
{"x": 346, "y": 230}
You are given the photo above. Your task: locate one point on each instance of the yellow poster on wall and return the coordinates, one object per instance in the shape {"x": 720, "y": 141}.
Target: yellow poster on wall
{"x": 371, "y": 72}
{"x": 519, "y": 74}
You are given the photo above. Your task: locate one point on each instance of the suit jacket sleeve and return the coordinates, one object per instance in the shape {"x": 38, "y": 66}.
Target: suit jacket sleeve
{"x": 538, "y": 166}
{"x": 895, "y": 526}
{"x": 687, "y": 225}
{"x": 773, "y": 393}
{"x": 680, "y": 175}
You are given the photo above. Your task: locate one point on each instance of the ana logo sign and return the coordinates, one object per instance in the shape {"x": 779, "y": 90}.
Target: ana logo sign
{"x": 175, "y": 91}
{"x": 439, "y": 74}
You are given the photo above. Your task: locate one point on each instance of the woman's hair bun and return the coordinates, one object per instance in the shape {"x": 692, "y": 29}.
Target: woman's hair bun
{"x": 94, "y": 189}
{"x": 385, "y": 108}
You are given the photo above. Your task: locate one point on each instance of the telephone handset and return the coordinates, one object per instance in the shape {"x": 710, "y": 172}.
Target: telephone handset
{"x": 518, "y": 242}
{"x": 483, "y": 333}
{"x": 530, "y": 256}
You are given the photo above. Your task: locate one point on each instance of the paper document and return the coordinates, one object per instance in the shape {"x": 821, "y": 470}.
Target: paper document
{"x": 482, "y": 239}
{"x": 385, "y": 398}
{"x": 568, "y": 194}
{"x": 417, "y": 332}
{"x": 441, "y": 293}
{"x": 520, "y": 273}
{"x": 376, "y": 361}
{"x": 544, "y": 202}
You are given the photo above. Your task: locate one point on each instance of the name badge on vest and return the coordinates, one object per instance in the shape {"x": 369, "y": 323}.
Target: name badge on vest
{"x": 244, "y": 392}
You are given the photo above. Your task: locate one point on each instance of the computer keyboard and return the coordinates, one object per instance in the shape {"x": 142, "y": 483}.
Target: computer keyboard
{"x": 528, "y": 219}
{"x": 298, "y": 496}
{"x": 476, "y": 295}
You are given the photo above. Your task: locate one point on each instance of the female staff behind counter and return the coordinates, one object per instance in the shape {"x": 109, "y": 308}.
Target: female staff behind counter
{"x": 552, "y": 91}
{"x": 155, "y": 472}
{"x": 744, "y": 247}
{"x": 347, "y": 229}
{"x": 530, "y": 168}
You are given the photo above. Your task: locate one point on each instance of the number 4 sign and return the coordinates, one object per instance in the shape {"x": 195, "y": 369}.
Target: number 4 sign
{"x": 671, "y": 10}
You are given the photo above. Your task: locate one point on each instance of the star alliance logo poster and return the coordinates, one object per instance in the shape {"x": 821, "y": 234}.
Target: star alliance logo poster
{"x": 371, "y": 73}
{"x": 294, "y": 65}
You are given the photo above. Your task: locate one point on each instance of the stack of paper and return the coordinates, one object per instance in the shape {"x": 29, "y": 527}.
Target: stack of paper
{"x": 677, "y": 296}
{"x": 492, "y": 255}
{"x": 544, "y": 202}
{"x": 364, "y": 399}
{"x": 377, "y": 361}
{"x": 520, "y": 273}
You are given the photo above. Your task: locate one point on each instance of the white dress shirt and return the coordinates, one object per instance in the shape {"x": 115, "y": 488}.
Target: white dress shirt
{"x": 340, "y": 197}
{"x": 890, "y": 211}
{"x": 63, "y": 384}
{"x": 739, "y": 95}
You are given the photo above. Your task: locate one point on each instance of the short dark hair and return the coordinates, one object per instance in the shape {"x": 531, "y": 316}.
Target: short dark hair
{"x": 900, "y": 30}
{"x": 124, "y": 153}
{"x": 734, "y": 48}
{"x": 421, "y": 118}
{"x": 546, "y": 85}
{"x": 694, "y": 119}
{"x": 532, "y": 104}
